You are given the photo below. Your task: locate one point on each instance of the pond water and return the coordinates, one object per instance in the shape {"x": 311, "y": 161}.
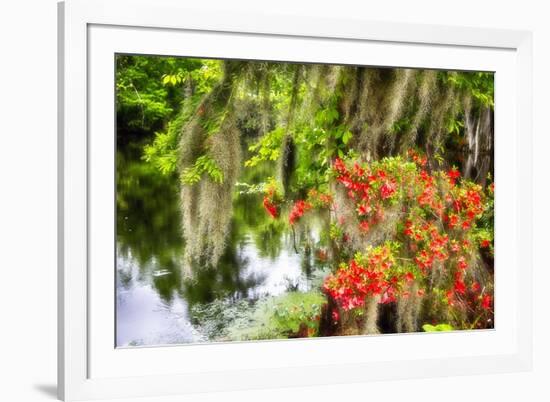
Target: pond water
{"x": 155, "y": 301}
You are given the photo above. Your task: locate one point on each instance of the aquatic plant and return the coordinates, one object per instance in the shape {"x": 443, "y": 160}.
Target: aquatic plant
{"x": 291, "y": 315}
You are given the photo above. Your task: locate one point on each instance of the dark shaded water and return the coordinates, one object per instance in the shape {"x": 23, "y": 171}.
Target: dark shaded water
{"x": 155, "y": 302}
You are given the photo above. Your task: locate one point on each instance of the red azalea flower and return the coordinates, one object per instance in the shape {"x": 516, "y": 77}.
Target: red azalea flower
{"x": 453, "y": 220}
{"x": 455, "y": 247}
{"x": 298, "y": 210}
{"x": 453, "y": 174}
{"x": 424, "y": 260}
{"x": 486, "y": 302}
{"x": 462, "y": 264}
{"x": 364, "y": 209}
{"x": 353, "y": 282}
{"x": 450, "y": 297}
{"x": 364, "y": 225}
{"x": 270, "y": 208}
{"x": 340, "y": 166}
{"x": 408, "y": 228}
{"x": 387, "y": 189}
{"x": 357, "y": 170}
{"x": 459, "y": 286}
{"x": 485, "y": 243}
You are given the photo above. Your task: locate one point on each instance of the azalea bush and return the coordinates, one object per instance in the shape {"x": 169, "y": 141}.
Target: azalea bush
{"x": 415, "y": 236}
{"x": 370, "y": 274}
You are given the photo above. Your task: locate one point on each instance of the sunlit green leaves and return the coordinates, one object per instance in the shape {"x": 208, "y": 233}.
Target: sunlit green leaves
{"x": 346, "y": 136}
{"x": 437, "y": 328}
{"x": 454, "y": 126}
{"x": 325, "y": 117}
{"x": 202, "y": 74}
{"x": 203, "y": 164}
{"x": 173, "y": 79}
{"x": 295, "y": 309}
{"x": 162, "y": 152}
{"x": 213, "y": 123}
{"x": 268, "y": 148}
{"x": 481, "y": 85}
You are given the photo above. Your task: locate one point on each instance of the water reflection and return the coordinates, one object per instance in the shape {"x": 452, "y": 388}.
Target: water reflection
{"x": 146, "y": 314}
{"x": 155, "y": 302}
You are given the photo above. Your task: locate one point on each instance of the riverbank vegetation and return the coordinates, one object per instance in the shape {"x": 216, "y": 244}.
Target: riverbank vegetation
{"x": 376, "y": 182}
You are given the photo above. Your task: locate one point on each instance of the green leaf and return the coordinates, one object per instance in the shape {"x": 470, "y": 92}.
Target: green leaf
{"x": 348, "y": 135}
{"x": 437, "y": 328}
{"x": 203, "y": 164}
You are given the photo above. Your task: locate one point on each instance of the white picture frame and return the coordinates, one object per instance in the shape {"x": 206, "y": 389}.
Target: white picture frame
{"x": 91, "y": 32}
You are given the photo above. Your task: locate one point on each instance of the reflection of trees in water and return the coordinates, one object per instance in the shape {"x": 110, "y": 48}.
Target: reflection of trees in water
{"x": 124, "y": 278}
{"x": 148, "y": 228}
{"x": 208, "y": 283}
{"x": 166, "y": 285}
{"x": 147, "y": 211}
{"x": 267, "y": 239}
{"x": 149, "y": 233}
{"x": 250, "y": 217}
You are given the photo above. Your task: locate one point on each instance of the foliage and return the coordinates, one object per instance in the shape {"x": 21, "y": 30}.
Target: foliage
{"x": 268, "y": 148}
{"x": 403, "y": 226}
{"x": 179, "y": 93}
{"x": 294, "y": 310}
{"x": 294, "y": 314}
{"x": 143, "y": 101}
{"x": 437, "y": 328}
{"x": 479, "y": 85}
{"x": 162, "y": 152}
{"x": 203, "y": 74}
{"x": 203, "y": 164}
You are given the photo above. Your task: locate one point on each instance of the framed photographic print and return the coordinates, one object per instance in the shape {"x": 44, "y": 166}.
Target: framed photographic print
{"x": 264, "y": 200}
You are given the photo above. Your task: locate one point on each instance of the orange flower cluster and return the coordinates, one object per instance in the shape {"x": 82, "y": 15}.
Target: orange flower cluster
{"x": 271, "y": 201}
{"x": 365, "y": 276}
{"x": 298, "y": 210}
{"x": 440, "y": 213}
{"x": 369, "y": 189}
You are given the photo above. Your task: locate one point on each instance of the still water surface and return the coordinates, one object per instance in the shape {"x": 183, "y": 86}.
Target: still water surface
{"x": 154, "y": 300}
